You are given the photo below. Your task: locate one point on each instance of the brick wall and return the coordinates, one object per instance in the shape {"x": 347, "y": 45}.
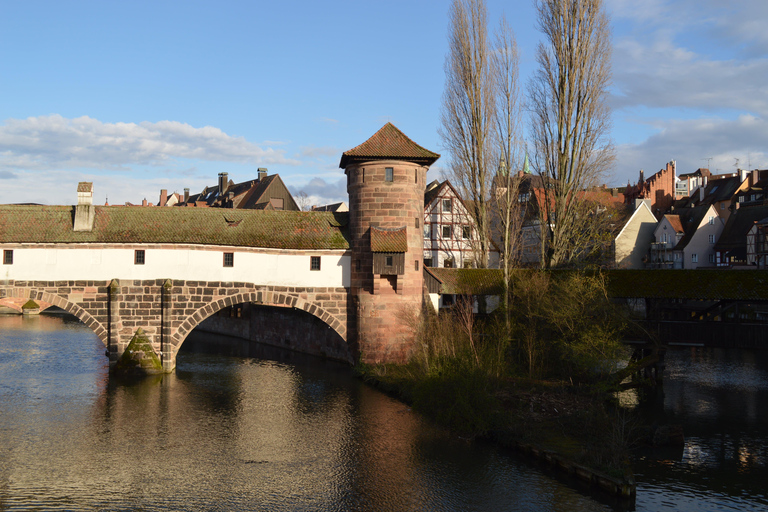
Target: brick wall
{"x": 383, "y": 330}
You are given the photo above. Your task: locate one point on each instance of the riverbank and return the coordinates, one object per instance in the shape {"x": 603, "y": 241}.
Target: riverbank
{"x": 576, "y": 431}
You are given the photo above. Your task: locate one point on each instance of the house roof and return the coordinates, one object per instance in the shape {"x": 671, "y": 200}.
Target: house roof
{"x": 674, "y": 221}
{"x": 468, "y": 281}
{"x": 739, "y": 223}
{"x": 690, "y": 219}
{"x": 388, "y": 143}
{"x": 388, "y": 240}
{"x": 207, "y": 226}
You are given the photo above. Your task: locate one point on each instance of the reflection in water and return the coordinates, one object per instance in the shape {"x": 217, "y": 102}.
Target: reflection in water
{"x": 226, "y": 433}
{"x": 720, "y": 397}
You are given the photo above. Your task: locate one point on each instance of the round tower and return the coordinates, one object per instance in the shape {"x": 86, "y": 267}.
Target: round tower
{"x": 386, "y": 178}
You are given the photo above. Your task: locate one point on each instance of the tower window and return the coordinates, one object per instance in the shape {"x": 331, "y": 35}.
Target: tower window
{"x": 138, "y": 257}
{"x": 389, "y": 174}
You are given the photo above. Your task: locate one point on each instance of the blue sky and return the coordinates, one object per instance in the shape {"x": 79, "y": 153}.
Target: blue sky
{"x": 139, "y": 96}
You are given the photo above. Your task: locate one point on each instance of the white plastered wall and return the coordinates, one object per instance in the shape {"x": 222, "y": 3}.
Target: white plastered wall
{"x": 276, "y": 268}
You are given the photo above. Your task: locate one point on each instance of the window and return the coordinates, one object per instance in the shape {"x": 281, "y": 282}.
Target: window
{"x": 711, "y": 220}
{"x": 446, "y": 231}
{"x": 711, "y": 239}
{"x": 229, "y": 259}
{"x": 388, "y": 261}
{"x": 694, "y": 258}
{"x": 664, "y": 238}
{"x": 722, "y": 206}
{"x": 741, "y": 199}
{"x": 711, "y": 258}
{"x": 358, "y": 265}
{"x": 314, "y": 263}
{"x": 389, "y": 174}
{"x": 8, "y": 257}
{"x": 138, "y": 257}
{"x": 277, "y": 203}
{"x": 677, "y": 256}
{"x": 524, "y": 197}
{"x": 447, "y": 299}
{"x": 446, "y": 205}
{"x": 427, "y": 262}
{"x": 467, "y": 263}
{"x": 465, "y": 232}
{"x": 448, "y": 263}
{"x": 416, "y": 265}
{"x": 416, "y": 222}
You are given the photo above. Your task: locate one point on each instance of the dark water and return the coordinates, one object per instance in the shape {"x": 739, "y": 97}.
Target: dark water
{"x": 720, "y": 397}
{"x": 247, "y": 433}
{"x": 226, "y": 433}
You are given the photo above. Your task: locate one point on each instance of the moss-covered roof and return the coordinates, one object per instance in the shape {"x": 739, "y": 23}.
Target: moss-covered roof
{"x": 689, "y": 284}
{"x": 389, "y": 240}
{"x": 654, "y": 284}
{"x": 209, "y": 226}
{"x": 469, "y": 281}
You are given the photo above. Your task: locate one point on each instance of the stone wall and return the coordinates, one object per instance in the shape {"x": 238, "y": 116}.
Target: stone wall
{"x": 169, "y": 310}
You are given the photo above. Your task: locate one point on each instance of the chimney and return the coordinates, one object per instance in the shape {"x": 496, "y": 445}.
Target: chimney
{"x": 262, "y": 173}
{"x": 615, "y": 192}
{"x": 186, "y": 195}
{"x": 85, "y": 212}
{"x": 222, "y": 183}
{"x": 642, "y": 179}
{"x": 163, "y": 197}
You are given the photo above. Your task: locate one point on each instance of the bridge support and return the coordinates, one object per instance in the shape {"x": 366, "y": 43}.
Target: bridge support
{"x": 166, "y": 310}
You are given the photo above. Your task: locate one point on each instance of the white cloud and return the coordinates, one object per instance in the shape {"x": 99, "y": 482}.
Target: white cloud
{"x": 692, "y": 143}
{"x": 692, "y": 74}
{"x": 321, "y": 192}
{"x": 54, "y": 142}
{"x": 317, "y": 152}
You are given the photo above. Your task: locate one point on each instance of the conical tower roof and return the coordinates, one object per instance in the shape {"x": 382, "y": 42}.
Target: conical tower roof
{"x": 388, "y": 143}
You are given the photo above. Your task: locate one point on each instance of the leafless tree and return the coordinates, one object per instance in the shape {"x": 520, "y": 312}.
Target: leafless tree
{"x": 303, "y": 201}
{"x": 570, "y": 116}
{"x": 507, "y": 210}
{"x": 467, "y": 114}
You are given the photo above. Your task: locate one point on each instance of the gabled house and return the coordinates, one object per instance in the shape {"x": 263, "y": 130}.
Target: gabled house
{"x": 686, "y": 239}
{"x": 631, "y": 245}
{"x": 264, "y": 193}
{"x": 736, "y": 246}
{"x": 757, "y": 244}
{"x": 450, "y": 235}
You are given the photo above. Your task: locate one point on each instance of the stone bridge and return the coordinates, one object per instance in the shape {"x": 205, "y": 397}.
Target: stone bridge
{"x": 168, "y": 310}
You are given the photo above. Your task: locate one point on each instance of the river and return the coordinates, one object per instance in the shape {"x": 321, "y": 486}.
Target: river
{"x": 285, "y": 432}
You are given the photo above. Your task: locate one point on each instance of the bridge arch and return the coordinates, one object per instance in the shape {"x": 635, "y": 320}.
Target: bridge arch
{"x": 278, "y": 299}
{"x": 56, "y": 300}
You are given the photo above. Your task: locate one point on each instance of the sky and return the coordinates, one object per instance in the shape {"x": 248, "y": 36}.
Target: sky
{"x": 142, "y": 96}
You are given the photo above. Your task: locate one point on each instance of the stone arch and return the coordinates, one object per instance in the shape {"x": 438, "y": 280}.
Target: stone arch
{"x": 260, "y": 298}
{"x": 70, "y": 307}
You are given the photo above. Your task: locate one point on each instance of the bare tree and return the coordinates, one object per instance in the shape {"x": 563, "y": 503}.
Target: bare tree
{"x": 303, "y": 201}
{"x": 507, "y": 212}
{"x": 467, "y": 114}
{"x": 570, "y": 116}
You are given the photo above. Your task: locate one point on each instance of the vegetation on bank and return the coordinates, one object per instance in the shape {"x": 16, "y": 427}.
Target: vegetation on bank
{"x": 539, "y": 370}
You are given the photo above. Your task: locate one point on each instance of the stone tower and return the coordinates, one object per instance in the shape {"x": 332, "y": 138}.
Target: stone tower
{"x": 386, "y": 177}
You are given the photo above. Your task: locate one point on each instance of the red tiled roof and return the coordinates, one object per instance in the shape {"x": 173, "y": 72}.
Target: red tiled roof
{"x": 388, "y": 240}
{"x": 674, "y": 221}
{"x": 388, "y": 143}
